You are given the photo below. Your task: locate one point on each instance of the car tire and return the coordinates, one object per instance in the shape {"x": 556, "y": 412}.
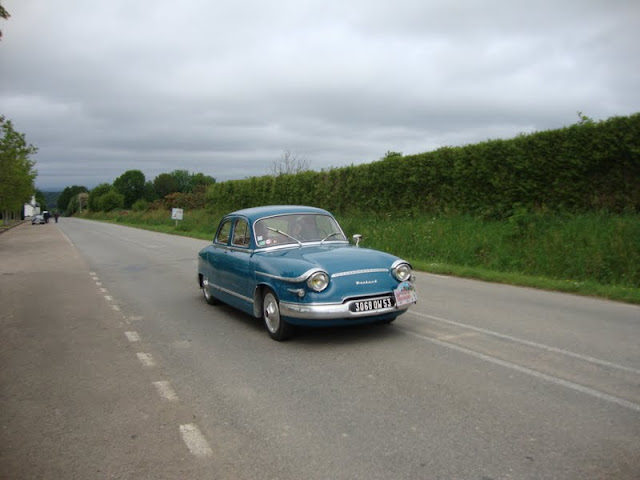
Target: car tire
{"x": 278, "y": 329}
{"x": 210, "y": 299}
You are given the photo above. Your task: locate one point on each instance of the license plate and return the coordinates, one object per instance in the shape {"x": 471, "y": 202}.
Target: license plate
{"x": 372, "y": 304}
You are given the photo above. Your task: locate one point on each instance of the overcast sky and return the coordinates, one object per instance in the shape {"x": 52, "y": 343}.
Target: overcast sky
{"x": 225, "y": 87}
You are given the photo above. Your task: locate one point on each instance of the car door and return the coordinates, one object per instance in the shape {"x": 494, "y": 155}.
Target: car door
{"x": 229, "y": 259}
{"x": 237, "y": 260}
{"x": 216, "y": 255}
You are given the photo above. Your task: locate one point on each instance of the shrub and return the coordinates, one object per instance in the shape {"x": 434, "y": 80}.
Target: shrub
{"x": 140, "y": 206}
{"x": 111, "y": 200}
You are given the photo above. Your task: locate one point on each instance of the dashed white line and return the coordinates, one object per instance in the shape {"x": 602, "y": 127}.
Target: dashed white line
{"x": 146, "y": 359}
{"x": 165, "y": 391}
{"x": 108, "y": 298}
{"x": 195, "y": 441}
{"x": 132, "y": 336}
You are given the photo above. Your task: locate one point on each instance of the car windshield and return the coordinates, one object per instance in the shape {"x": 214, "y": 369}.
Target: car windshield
{"x": 299, "y": 228}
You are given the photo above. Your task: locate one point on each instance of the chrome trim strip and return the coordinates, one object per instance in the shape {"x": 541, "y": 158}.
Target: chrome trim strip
{"x": 296, "y": 245}
{"x": 233, "y": 294}
{"x": 233, "y": 248}
{"x": 399, "y": 262}
{"x": 299, "y": 279}
{"x": 359, "y": 272}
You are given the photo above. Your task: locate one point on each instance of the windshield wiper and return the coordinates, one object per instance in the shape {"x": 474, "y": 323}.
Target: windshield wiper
{"x": 284, "y": 234}
{"x": 329, "y": 236}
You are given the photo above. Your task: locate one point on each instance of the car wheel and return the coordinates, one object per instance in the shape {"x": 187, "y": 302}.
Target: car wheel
{"x": 278, "y": 329}
{"x": 211, "y": 300}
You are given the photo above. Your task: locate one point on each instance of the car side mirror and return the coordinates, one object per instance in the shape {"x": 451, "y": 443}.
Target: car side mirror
{"x": 356, "y": 238}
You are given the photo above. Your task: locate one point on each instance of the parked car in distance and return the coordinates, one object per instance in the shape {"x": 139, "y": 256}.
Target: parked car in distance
{"x": 38, "y": 220}
{"x": 293, "y": 265}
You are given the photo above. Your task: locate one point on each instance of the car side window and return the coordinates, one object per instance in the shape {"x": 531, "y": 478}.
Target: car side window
{"x": 241, "y": 233}
{"x": 223, "y": 232}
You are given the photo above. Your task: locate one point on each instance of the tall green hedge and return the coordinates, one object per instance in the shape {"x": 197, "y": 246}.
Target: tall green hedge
{"x": 589, "y": 166}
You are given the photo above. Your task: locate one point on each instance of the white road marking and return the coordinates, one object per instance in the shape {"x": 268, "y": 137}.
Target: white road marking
{"x": 99, "y": 284}
{"x": 558, "y": 381}
{"x": 195, "y": 441}
{"x": 541, "y": 346}
{"x": 108, "y": 298}
{"x": 140, "y": 244}
{"x": 146, "y": 359}
{"x": 66, "y": 238}
{"x": 115, "y": 307}
{"x": 132, "y": 336}
{"x": 459, "y": 335}
{"x": 165, "y": 391}
{"x": 103, "y": 290}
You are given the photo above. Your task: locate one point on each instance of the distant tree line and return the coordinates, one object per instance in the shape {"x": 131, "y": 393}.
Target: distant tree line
{"x": 131, "y": 190}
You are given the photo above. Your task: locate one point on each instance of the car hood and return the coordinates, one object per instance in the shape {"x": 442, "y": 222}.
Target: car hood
{"x": 333, "y": 259}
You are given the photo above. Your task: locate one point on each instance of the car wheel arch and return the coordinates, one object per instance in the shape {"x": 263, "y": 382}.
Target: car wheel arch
{"x": 258, "y": 295}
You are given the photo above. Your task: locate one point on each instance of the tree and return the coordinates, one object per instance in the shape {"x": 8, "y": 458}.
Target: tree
{"x": 201, "y": 181}
{"x": 3, "y": 14}
{"x": 149, "y": 191}
{"x": 96, "y": 194}
{"x": 16, "y": 169}
{"x": 77, "y": 203}
{"x": 288, "y": 164}
{"x": 183, "y": 181}
{"x": 41, "y": 200}
{"x": 131, "y": 186}
{"x": 164, "y": 184}
{"x": 111, "y": 200}
{"x": 391, "y": 154}
{"x": 68, "y": 194}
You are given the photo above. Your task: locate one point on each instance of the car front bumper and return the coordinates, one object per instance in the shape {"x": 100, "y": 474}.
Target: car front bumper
{"x": 335, "y": 311}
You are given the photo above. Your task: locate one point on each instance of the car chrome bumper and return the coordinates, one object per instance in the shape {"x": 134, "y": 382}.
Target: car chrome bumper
{"x": 332, "y": 311}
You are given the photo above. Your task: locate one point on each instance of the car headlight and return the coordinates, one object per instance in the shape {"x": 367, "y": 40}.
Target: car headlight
{"x": 402, "y": 271}
{"x": 318, "y": 281}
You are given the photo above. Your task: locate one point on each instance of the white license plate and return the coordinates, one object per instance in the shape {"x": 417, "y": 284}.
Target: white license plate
{"x": 371, "y": 304}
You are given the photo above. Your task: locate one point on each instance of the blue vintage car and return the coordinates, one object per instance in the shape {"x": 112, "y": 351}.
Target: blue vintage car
{"x": 293, "y": 265}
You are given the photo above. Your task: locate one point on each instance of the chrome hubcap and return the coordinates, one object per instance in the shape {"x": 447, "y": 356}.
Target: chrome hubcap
{"x": 205, "y": 288}
{"x": 271, "y": 313}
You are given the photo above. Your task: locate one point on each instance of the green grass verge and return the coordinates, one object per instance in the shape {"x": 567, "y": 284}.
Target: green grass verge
{"x": 594, "y": 254}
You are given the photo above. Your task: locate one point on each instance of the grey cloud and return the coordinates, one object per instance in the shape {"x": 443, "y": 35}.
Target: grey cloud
{"x": 224, "y": 87}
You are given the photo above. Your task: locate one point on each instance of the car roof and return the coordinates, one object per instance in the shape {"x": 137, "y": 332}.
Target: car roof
{"x": 257, "y": 213}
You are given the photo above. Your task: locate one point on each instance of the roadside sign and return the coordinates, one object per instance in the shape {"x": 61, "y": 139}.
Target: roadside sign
{"x": 176, "y": 213}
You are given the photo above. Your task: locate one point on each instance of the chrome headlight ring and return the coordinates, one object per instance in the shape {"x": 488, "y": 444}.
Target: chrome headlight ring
{"x": 401, "y": 271}
{"x": 318, "y": 281}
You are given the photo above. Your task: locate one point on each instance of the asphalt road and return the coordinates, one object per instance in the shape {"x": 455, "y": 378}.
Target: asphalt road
{"x": 113, "y": 366}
